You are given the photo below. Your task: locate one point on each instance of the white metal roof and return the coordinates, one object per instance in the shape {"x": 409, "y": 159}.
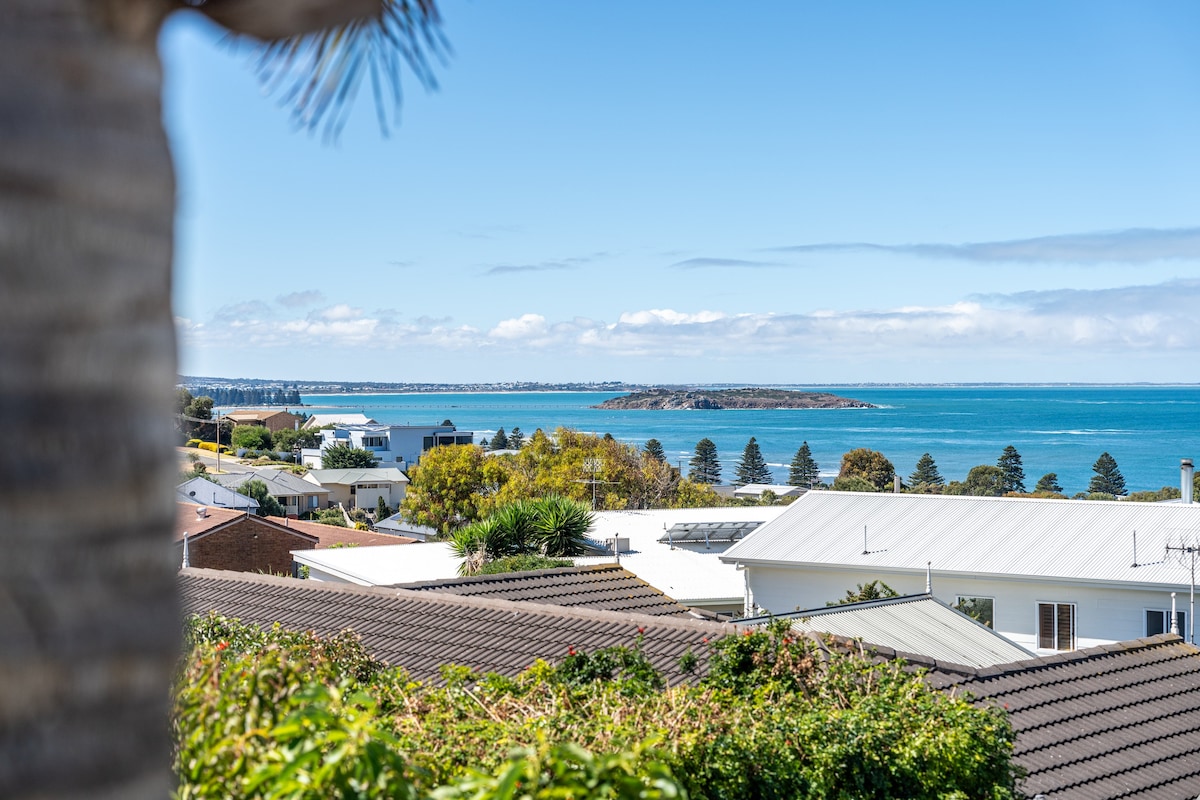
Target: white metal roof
{"x": 1088, "y": 540}
{"x": 279, "y": 482}
{"x": 383, "y": 565}
{"x": 206, "y": 493}
{"x": 917, "y": 624}
{"x": 691, "y": 575}
{"x": 359, "y": 475}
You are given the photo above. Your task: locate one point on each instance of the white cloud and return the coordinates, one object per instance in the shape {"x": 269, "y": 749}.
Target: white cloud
{"x": 524, "y": 327}
{"x": 1128, "y": 322}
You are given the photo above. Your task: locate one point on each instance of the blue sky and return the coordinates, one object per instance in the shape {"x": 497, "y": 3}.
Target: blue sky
{"x": 776, "y": 192}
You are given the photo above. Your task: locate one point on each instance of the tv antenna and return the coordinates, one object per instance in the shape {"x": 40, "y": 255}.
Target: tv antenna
{"x": 1187, "y": 554}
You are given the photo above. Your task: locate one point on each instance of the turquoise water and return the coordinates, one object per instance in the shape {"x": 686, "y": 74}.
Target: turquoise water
{"x": 1061, "y": 429}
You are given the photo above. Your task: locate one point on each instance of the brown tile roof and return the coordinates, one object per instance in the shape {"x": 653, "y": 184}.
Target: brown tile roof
{"x": 187, "y": 520}
{"x": 609, "y": 587}
{"x": 1120, "y": 720}
{"x": 329, "y": 535}
{"x": 423, "y": 630}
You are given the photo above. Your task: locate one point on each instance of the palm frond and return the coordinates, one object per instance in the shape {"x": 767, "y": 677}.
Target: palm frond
{"x": 318, "y": 75}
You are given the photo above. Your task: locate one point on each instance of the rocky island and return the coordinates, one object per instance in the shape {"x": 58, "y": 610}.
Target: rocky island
{"x": 683, "y": 399}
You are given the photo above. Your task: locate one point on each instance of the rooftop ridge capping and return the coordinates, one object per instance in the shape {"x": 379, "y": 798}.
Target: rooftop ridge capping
{"x": 840, "y": 607}
{"x": 1098, "y": 651}
{"x": 469, "y": 601}
{"x": 234, "y": 515}
{"x": 501, "y": 577}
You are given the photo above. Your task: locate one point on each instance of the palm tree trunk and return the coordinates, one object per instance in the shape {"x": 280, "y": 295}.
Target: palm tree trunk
{"x": 88, "y": 617}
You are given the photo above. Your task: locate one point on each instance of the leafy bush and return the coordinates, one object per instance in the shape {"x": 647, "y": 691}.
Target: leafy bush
{"x": 523, "y": 563}
{"x": 284, "y": 715}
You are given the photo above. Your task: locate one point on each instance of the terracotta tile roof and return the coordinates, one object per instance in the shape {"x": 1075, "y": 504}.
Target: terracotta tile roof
{"x": 604, "y": 586}
{"x": 329, "y": 535}
{"x": 1115, "y": 720}
{"x": 423, "y": 630}
{"x": 186, "y": 519}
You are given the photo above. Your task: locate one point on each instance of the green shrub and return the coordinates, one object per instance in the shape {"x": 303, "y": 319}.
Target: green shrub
{"x": 774, "y": 716}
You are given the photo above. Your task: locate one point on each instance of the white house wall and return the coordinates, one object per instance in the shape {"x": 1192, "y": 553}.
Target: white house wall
{"x": 1103, "y": 614}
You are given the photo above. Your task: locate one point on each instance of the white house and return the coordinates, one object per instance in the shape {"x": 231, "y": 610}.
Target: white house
{"x": 296, "y": 495}
{"x": 393, "y": 445}
{"x": 204, "y": 492}
{"x": 360, "y": 488}
{"x": 1049, "y": 574}
{"x": 321, "y": 420}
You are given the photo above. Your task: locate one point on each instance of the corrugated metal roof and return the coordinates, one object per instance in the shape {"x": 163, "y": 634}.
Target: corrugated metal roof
{"x": 917, "y": 624}
{"x": 1002, "y": 536}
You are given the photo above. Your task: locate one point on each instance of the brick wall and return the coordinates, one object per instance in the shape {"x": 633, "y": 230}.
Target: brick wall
{"x": 247, "y": 545}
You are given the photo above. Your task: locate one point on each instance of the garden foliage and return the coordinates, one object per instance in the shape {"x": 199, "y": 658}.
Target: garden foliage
{"x": 284, "y": 715}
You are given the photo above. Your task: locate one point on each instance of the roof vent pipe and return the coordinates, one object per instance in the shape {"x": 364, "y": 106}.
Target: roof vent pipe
{"x": 1186, "y": 472}
{"x": 1174, "y": 619}
{"x": 896, "y": 484}
{"x": 929, "y": 577}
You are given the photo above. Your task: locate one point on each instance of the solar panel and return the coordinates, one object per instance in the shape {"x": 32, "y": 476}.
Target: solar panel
{"x": 707, "y": 531}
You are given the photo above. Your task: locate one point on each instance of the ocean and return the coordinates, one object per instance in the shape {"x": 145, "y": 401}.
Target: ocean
{"x": 1060, "y": 429}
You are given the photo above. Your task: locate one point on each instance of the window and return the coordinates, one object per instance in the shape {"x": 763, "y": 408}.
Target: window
{"x": 312, "y": 501}
{"x": 1156, "y": 621}
{"x": 374, "y": 441}
{"x": 980, "y": 609}
{"x": 1056, "y": 626}
{"x": 426, "y": 443}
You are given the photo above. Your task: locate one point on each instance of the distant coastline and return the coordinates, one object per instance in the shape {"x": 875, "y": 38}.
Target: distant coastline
{"x": 369, "y": 388}
{"x": 743, "y": 398}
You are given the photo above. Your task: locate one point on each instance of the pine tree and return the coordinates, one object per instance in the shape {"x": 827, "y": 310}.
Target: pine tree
{"x": 516, "y": 439}
{"x": 751, "y": 468}
{"x": 1010, "y": 466}
{"x": 1048, "y": 483}
{"x": 500, "y": 440}
{"x": 654, "y": 450}
{"x": 704, "y": 466}
{"x": 804, "y": 471}
{"x": 1108, "y": 478}
{"x": 926, "y": 474}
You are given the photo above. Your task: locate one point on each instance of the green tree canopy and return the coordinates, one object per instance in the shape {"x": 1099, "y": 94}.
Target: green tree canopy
{"x": 268, "y": 506}
{"x": 446, "y": 489}
{"x": 251, "y": 437}
{"x": 704, "y": 466}
{"x": 925, "y": 477}
{"x": 1048, "y": 483}
{"x": 751, "y": 468}
{"x": 654, "y": 449}
{"x": 874, "y": 590}
{"x": 1012, "y": 474}
{"x": 1108, "y": 478}
{"x": 499, "y": 441}
{"x": 343, "y": 455}
{"x": 871, "y": 465}
{"x": 985, "y": 481}
{"x": 516, "y": 439}
{"x": 804, "y": 471}
{"x": 289, "y": 439}
{"x": 853, "y": 483}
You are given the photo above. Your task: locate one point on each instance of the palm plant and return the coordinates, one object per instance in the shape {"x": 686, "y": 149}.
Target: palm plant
{"x": 86, "y": 332}
{"x": 561, "y": 525}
